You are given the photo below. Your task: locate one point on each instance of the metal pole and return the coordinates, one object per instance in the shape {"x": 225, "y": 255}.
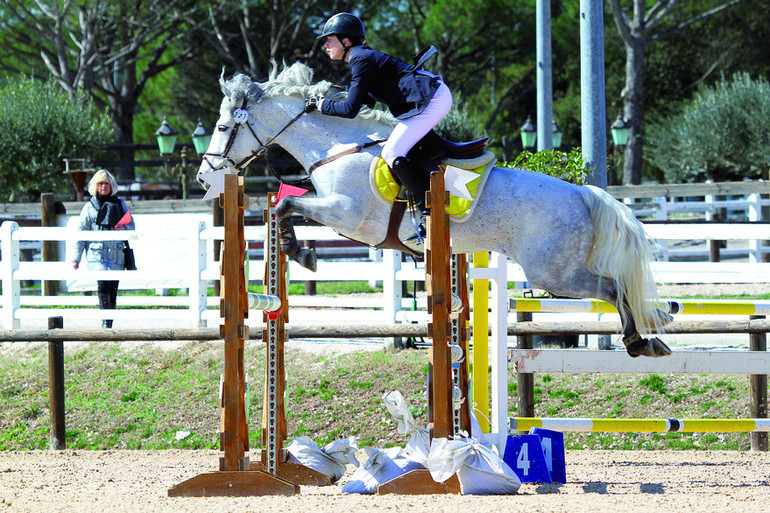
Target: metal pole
{"x": 592, "y": 96}
{"x": 544, "y": 76}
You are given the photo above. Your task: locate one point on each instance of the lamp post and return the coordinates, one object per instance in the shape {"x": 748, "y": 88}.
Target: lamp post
{"x": 620, "y": 130}
{"x": 528, "y": 134}
{"x": 166, "y": 139}
{"x": 556, "y": 136}
{"x": 201, "y": 137}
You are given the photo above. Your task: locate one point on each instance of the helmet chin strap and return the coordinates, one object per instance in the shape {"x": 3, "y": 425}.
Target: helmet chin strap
{"x": 345, "y": 52}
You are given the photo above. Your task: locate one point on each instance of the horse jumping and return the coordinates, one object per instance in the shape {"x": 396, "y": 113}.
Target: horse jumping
{"x": 572, "y": 241}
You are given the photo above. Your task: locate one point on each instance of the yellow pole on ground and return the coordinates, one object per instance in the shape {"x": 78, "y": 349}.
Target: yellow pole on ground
{"x": 481, "y": 343}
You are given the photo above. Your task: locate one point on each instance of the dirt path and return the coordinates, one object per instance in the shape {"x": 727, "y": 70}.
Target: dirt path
{"x": 76, "y": 481}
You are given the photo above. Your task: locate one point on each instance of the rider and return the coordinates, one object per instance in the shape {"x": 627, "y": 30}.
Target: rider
{"x": 417, "y": 98}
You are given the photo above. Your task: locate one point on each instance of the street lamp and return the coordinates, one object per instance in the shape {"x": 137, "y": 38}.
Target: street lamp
{"x": 201, "y": 137}
{"x": 528, "y": 133}
{"x": 620, "y": 130}
{"x": 556, "y": 136}
{"x": 166, "y": 138}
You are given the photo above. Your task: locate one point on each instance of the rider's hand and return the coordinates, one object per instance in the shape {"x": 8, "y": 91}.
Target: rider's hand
{"x": 312, "y": 103}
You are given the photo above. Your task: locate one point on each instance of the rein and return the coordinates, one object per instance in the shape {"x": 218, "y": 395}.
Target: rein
{"x": 263, "y": 150}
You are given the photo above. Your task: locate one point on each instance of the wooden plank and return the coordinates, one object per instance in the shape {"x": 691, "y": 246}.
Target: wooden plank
{"x": 689, "y": 189}
{"x": 690, "y": 362}
{"x": 419, "y": 482}
{"x": 440, "y": 414}
{"x": 244, "y": 483}
{"x": 232, "y": 445}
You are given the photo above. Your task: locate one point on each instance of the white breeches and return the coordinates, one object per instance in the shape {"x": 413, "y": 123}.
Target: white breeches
{"x": 408, "y": 132}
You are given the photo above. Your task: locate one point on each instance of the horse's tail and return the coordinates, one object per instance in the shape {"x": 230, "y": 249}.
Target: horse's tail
{"x": 622, "y": 252}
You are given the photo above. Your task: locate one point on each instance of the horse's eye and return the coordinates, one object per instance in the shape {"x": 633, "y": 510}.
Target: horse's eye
{"x": 222, "y": 128}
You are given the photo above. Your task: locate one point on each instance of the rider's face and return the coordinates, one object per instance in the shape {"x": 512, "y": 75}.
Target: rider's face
{"x": 334, "y": 48}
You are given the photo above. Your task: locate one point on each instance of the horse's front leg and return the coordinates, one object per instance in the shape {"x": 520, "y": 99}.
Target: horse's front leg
{"x": 329, "y": 211}
{"x": 288, "y": 238}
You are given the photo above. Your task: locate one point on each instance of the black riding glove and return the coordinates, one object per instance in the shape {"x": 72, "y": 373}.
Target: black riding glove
{"x": 312, "y": 102}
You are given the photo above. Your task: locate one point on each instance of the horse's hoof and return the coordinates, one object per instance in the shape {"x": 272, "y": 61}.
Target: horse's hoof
{"x": 652, "y": 347}
{"x": 658, "y": 347}
{"x": 307, "y": 259}
{"x": 664, "y": 317}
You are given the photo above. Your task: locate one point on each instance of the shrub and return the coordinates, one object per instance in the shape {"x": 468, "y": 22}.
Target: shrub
{"x": 564, "y": 166}
{"x": 41, "y": 126}
{"x": 723, "y": 134}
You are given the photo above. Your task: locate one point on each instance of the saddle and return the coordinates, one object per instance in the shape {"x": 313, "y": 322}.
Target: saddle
{"x": 427, "y": 156}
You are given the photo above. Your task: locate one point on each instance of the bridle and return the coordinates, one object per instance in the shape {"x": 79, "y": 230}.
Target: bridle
{"x": 263, "y": 150}
{"x": 255, "y": 154}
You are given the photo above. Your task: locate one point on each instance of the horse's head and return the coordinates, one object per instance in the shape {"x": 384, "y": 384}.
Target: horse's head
{"x": 248, "y": 121}
{"x": 254, "y": 115}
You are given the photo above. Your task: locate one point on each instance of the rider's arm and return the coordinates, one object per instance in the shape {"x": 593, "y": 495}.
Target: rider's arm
{"x": 362, "y": 71}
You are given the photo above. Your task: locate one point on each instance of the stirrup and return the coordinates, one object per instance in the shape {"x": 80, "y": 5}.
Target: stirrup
{"x": 420, "y": 231}
{"x": 419, "y": 234}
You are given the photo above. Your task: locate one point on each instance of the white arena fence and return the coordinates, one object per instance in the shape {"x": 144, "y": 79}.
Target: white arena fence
{"x": 176, "y": 251}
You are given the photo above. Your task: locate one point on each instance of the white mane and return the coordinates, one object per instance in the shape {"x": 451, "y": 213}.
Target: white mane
{"x": 294, "y": 80}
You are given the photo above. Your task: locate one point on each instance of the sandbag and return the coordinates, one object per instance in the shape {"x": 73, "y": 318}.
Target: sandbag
{"x": 418, "y": 446}
{"x": 380, "y": 467}
{"x": 479, "y": 467}
{"x": 331, "y": 461}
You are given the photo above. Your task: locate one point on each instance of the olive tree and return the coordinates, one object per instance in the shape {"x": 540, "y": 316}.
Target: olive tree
{"x": 722, "y": 134}
{"x": 41, "y": 125}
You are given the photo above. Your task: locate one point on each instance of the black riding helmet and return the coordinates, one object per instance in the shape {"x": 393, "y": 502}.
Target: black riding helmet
{"x": 344, "y": 24}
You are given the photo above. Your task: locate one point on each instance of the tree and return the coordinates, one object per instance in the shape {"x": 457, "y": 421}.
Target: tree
{"x": 638, "y": 27}
{"x": 109, "y": 49}
{"x": 723, "y": 134}
{"x": 42, "y": 125}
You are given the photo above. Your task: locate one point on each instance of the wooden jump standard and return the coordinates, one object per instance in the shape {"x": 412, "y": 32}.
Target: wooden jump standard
{"x": 444, "y": 420}
{"x": 237, "y": 476}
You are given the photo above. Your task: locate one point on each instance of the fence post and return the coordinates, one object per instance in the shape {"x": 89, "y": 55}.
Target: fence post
{"x": 391, "y": 287}
{"x": 50, "y": 247}
{"x": 499, "y": 348}
{"x": 755, "y": 216}
{"x": 758, "y": 390}
{"x": 661, "y": 214}
{"x": 58, "y": 439}
{"x": 525, "y": 380}
{"x": 198, "y": 289}
{"x": 217, "y": 219}
{"x": 8, "y": 266}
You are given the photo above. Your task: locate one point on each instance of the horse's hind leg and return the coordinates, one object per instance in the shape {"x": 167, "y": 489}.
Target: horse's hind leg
{"x": 585, "y": 284}
{"x": 636, "y": 344}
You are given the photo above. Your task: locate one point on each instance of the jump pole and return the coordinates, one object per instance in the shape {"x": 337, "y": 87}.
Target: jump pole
{"x": 443, "y": 422}
{"x": 760, "y": 425}
{"x": 235, "y": 477}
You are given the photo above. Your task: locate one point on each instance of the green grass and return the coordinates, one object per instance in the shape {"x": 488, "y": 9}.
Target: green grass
{"x": 121, "y": 397}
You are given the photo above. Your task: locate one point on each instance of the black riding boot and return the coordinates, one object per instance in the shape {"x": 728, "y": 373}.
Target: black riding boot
{"x": 107, "y": 291}
{"x": 417, "y": 185}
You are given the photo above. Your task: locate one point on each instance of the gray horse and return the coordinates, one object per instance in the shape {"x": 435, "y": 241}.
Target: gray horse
{"x": 573, "y": 241}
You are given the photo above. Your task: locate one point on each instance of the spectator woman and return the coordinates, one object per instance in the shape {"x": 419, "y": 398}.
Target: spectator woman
{"x": 104, "y": 211}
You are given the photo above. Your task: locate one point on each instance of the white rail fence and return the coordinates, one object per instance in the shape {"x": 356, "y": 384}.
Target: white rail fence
{"x": 182, "y": 257}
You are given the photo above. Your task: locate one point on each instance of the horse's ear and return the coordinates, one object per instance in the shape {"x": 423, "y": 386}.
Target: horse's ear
{"x": 222, "y": 85}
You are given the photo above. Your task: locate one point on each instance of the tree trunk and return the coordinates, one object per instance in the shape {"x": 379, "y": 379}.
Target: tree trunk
{"x": 633, "y": 109}
{"x": 123, "y": 123}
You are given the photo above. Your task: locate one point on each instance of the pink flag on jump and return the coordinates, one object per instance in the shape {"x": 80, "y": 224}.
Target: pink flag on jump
{"x": 125, "y": 219}
{"x": 289, "y": 190}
